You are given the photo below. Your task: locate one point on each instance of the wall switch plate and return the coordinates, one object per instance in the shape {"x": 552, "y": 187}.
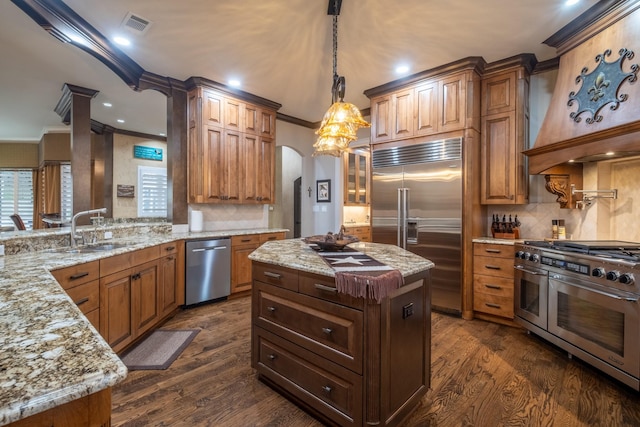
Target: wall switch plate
{"x": 108, "y": 234}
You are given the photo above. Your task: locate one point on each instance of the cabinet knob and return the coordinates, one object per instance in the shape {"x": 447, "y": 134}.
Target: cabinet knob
{"x": 271, "y": 308}
{"x": 327, "y": 389}
{"x": 272, "y": 357}
{"x": 327, "y": 331}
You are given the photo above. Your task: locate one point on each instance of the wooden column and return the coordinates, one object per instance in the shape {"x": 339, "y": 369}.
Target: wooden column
{"x": 177, "y": 209}
{"x": 75, "y": 109}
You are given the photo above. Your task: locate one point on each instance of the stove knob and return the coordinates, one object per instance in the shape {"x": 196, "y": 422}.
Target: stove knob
{"x": 525, "y": 256}
{"x": 598, "y": 272}
{"x": 520, "y": 254}
{"x": 626, "y": 279}
{"x": 534, "y": 257}
{"x": 613, "y": 276}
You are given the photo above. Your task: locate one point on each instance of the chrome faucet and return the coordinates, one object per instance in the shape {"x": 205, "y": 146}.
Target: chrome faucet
{"x": 73, "y": 223}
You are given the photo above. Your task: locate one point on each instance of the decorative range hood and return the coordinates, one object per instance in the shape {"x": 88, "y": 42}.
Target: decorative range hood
{"x": 595, "y": 106}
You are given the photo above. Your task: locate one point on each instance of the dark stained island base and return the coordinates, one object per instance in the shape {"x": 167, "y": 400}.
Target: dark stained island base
{"x": 348, "y": 361}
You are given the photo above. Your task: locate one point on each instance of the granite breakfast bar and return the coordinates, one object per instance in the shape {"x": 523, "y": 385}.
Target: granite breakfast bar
{"x": 351, "y": 361}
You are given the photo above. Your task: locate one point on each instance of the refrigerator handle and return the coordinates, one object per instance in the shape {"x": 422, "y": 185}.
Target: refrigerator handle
{"x": 403, "y": 216}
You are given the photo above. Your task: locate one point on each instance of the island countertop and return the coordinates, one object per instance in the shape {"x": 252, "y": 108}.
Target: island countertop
{"x": 297, "y": 255}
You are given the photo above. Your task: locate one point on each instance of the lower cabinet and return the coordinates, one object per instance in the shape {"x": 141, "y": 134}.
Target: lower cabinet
{"x": 348, "y": 361}
{"x": 82, "y": 285}
{"x": 493, "y": 281}
{"x": 363, "y": 233}
{"x": 241, "y": 248}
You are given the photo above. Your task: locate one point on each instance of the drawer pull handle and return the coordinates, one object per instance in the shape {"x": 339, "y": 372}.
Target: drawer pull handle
{"x": 492, "y": 267}
{"x": 135, "y": 276}
{"x": 274, "y": 275}
{"x": 488, "y": 304}
{"x": 79, "y": 275}
{"x": 493, "y": 251}
{"x": 271, "y": 308}
{"x": 272, "y": 238}
{"x": 170, "y": 258}
{"x": 82, "y": 301}
{"x": 326, "y": 288}
{"x": 327, "y": 331}
{"x": 170, "y": 248}
{"x": 272, "y": 357}
{"x": 245, "y": 240}
{"x": 493, "y": 286}
{"x": 327, "y": 389}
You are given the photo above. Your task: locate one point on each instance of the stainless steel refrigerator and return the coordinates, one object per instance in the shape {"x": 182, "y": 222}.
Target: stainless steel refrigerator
{"x": 416, "y": 203}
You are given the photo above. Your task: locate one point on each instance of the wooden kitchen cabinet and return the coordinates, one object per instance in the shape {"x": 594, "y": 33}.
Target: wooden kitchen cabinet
{"x": 424, "y": 107}
{"x": 493, "y": 282}
{"x": 169, "y": 296}
{"x": 357, "y": 177}
{"x": 362, "y": 232}
{"x": 231, "y": 146}
{"x": 241, "y": 248}
{"x": 505, "y": 135}
{"x": 82, "y": 285}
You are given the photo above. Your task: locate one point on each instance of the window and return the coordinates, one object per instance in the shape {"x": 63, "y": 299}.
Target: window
{"x": 152, "y": 192}
{"x": 16, "y": 196}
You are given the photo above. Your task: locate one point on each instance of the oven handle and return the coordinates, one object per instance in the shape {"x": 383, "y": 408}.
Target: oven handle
{"x": 597, "y": 291}
{"x": 535, "y": 273}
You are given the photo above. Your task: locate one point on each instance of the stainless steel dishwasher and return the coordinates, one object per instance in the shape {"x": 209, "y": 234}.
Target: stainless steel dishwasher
{"x": 208, "y": 271}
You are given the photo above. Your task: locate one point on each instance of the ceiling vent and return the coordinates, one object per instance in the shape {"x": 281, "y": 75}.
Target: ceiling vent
{"x": 136, "y": 23}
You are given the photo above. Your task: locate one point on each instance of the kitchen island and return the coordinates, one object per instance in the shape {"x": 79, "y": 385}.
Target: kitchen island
{"x": 350, "y": 361}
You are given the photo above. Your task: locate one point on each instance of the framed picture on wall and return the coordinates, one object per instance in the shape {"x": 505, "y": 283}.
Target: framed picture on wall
{"x": 323, "y": 191}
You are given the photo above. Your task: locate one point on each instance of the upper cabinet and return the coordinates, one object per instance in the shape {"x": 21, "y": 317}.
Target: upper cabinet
{"x": 356, "y": 177}
{"x": 425, "y": 107}
{"x": 231, "y": 146}
{"x": 505, "y": 132}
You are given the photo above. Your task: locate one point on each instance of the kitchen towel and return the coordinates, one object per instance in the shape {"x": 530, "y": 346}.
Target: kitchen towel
{"x": 359, "y": 275}
{"x": 196, "y": 221}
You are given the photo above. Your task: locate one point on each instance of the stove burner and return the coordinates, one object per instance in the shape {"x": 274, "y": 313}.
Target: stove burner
{"x": 609, "y": 249}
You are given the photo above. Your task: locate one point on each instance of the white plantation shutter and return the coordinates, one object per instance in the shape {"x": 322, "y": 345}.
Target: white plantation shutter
{"x": 16, "y": 196}
{"x": 66, "y": 192}
{"x": 152, "y": 192}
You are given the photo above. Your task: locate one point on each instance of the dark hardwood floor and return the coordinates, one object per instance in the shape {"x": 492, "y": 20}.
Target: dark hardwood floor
{"x": 483, "y": 374}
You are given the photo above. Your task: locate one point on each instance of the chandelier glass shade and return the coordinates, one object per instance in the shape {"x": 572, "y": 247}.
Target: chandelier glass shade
{"x": 342, "y": 121}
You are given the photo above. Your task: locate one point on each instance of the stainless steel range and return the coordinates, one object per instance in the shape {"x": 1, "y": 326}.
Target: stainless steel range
{"x": 583, "y": 297}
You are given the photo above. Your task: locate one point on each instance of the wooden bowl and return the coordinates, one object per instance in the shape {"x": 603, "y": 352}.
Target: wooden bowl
{"x": 323, "y": 245}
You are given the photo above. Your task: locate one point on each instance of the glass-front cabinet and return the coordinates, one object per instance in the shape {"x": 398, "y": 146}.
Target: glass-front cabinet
{"x": 356, "y": 176}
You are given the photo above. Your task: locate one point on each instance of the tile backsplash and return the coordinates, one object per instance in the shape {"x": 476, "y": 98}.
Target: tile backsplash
{"x": 604, "y": 219}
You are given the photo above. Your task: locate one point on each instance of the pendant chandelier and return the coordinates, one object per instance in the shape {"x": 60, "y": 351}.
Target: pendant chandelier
{"x": 342, "y": 121}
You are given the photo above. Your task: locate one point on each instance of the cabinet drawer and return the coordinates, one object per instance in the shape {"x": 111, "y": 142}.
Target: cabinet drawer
{"x": 493, "y": 285}
{"x": 69, "y": 277}
{"x": 493, "y": 266}
{"x": 328, "y": 388}
{"x": 86, "y": 296}
{"x": 327, "y": 329}
{"x": 274, "y": 275}
{"x": 123, "y": 261}
{"x": 248, "y": 239}
{"x": 493, "y": 304}
{"x": 266, "y": 237}
{"x": 169, "y": 248}
{"x": 493, "y": 250}
{"x": 325, "y": 288}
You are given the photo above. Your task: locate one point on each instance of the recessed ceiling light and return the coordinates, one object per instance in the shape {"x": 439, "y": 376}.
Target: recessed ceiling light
{"x": 234, "y": 82}
{"x": 107, "y": 104}
{"x": 163, "y": 134}
{"x": 571, "y": 161}
{"x": 120, "y": 121}
{"x": 121, "y": 41}
{"x": 571, "y": 2}
{"x": 610, "y": 153}
{"x": 402, "y": 69}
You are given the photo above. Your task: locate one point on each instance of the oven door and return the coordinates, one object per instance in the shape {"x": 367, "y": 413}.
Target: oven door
{"x": 531, "y": 292}
{"x": 601, "y": 321}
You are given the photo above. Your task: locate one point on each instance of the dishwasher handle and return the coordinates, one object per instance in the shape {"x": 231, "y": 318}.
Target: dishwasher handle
{"x": 213, "y": 248}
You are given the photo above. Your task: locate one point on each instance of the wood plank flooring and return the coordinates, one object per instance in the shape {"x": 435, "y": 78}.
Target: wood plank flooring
{"x": 483, "y": 374}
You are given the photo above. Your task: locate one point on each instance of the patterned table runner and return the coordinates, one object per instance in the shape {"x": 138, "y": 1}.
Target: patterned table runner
{"x": 359, "y": 275}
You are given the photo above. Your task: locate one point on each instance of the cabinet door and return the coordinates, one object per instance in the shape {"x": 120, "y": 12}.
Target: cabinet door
{"x": 403, "y": 114}
{"x": 452, "y": 103}
{"x": 251, "y": 122}
{"x": 167, "y": 285}
{"x": 144, "y": 297}
{"x": 381, "y": 119}
{"x": 241, "y": 247}
{"x": 267, "y": 120}
{"x": 498, "y": 159}
{"x": 356, "y": 177}
{"x": 233, "y": 115}
{"x": 222, "y": 173}
{"x": 258, "y": 169}
{"x": 213, "y": 109}
{"x": 115, "y": 309}
{"x": 499, "y": 94}
{"x": 426, "y": 106}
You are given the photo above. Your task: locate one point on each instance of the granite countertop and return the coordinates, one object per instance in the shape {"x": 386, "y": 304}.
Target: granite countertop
{"x": 296, "y": 254}
{"x": 49, "y": 352}
{"x": 495, "y": 241}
